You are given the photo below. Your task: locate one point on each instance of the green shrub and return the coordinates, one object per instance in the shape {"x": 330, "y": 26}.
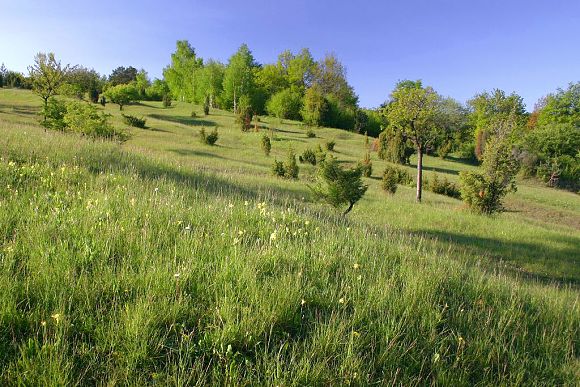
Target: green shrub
{"x": 278, "y": 169}
{"x": 310, "y": 133}
{"x": 330, "y": 145}
{"x": 208, "y": 139}
{"x": 443, "y": 187}
{"x": 134, "y": 121}
{"x": 206, "y": 106}
{"x": 166, "y": 100}
{"x": 308, "y": 156}
{"x": 320, "y": 154}
{"x": 244, "y": 114}
{"x": 266, "y": 144}
{"x": 193, "y": 114}
{"x": 366, "y": 165}
{"x": 394, "y": 148}
{"x": 53, "y": 114}
{"x": 392, "y": 176}
{"x": 87, "y": 120}
{"x": 339, "y": 186}
{"x": 290, "y": 166}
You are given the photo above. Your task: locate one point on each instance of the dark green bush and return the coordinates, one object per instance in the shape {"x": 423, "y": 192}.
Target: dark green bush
{"x": 290, "y": 166}
{"x": 366, "y": 165}
{"x": 393, "y": 147}
{"x": 393, "y": 176}
{"x": 166, "y": 100}
{"x": 330, "y": 145}
{"x": 88, "y": 120}
{"x": 308, "y": 156}
{"x": 208, "y": 139}
{"x": 134, "y": 121}
{"x": 310, "y": 133}
{"x": 278, "y": 169}
{"x": 266, "y": 144}
{"x": 206, "y": 105}
{"x": 443, "y": 187}
{"x": 53, "y": 114}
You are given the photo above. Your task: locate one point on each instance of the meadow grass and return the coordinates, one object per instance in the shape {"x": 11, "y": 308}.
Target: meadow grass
{"x": 163, "y": 261}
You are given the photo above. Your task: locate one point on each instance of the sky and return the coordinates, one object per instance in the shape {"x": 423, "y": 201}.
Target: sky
{"x": 459, "y": 47}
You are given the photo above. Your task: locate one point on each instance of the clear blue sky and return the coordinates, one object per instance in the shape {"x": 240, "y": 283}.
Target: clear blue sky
{"x": 459, "y": 47}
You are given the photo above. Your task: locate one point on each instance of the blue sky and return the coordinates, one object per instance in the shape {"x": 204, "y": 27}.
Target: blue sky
{"x": 458, "y": 47}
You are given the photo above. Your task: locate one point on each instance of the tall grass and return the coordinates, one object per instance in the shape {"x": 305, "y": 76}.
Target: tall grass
{"x": 119, "y": 269}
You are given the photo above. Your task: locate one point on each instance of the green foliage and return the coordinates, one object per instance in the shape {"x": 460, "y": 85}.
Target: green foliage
{"x": 339, "y": 186}
{"x": 310, "y": 133}
{"x": 290, "y": 166}
{"x": 552, "y": 153}
{"x": 285, "y": 104}
{"x": 88, "y": 120}
{"x": 134, "y": 121}
{"x": 329, "y": 145}
{"x": 122, "y": 94}
{"x": 239, "y": 80}
{"x": 157, "y": 91}
{"x": 208, "y": 139}
{"x": 244, "y": 116}
{"x": 308, "y": 156}
{"x": 123, "y": 75}
{"x": 206, "y": 106}
{"x": 53, "y": 113}
{"x": 443, "y": 187}
{"x": 166, "y": 100}
{"x": 278, "y": 169}
{"x": 484, "y": 190}
{"x": 562, "y": 107}
{"x": 366, "y": 165}
{"x": 180, "y": 75}
{"x": 47, "y": 75}
{"x": 266, "y": 144}
{"x": 394, "y": 148}
{"x": 315, "y": 106}
{"x": 394, "y": 175}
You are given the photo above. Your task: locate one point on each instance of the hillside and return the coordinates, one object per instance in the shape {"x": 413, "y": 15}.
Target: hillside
{"x": 167, "y": 261}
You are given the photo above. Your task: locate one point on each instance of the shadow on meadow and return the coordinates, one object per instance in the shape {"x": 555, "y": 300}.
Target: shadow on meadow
{"x": 547, "y": 264}
{"x": 189, "y": 121}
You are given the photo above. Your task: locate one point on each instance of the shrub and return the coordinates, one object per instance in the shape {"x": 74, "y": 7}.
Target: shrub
{"x": 266, "y": 144}
{"x": 208, "y": 139}
{"x": 166, "y": 100}
{"x": 393, "y": 147}
{"x": 290, "y": 166}
{"x": 484, "y": 190}
{"x": 193, "y": 114}
{"x": 278, "y": 169}
{"x": 338, "y": 186}
{"x": 330, "y": 145}
{"x": 308, "y": 156}
{"x": 53, "y": 114}
{"x": 285, "y": 104}
{"x": 443, "y": 187}
{"x": 244, "y": 114}
{"x": 310, "y": 133}
{"x": 134, "y": 121}
{"x": 393, "y": 176}
{"x": 86, "y": 119}
{"x": 366, "y": 165}
{"x": 206, "y": 106}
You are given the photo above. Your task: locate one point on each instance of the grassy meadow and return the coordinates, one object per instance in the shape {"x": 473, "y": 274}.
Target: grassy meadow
{"x": 164, "y": 261}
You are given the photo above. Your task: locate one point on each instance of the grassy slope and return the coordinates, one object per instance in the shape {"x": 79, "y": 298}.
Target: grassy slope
{"x": 99, "y": 242}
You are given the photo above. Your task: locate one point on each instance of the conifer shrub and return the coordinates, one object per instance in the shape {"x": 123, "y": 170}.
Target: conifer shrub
{"x": 266, "y": 144}
{"x": 308, "y": 156}
{"x": 310, "y": 133}
{"x": 278, "y": 169}
{"x": 53, "y": 115}
{"x": 166, "y": 100}
{"x": 366, "y": 165}
{"x": 330, "y": 145}
{"x": 443, "y": 187}
{"x": 393, "y": 176}
{"x": 208, "y": 138}
{"x": 134, "y": 121}
{"x": 290, "y": 166}
{"x": 206, "y": 106}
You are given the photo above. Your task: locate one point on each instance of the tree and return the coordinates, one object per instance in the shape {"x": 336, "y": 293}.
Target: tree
{"x": 182, "y": 72}
{"x": 415, "y": 112}
{"x": 490, "y": 108}
{"x": 123, "y": 75}
{"x": 285, "y": 104}
{"x": 300, "y": 69}
{"x": 3, "y": 73}
{"x": 122, "y": 94}
{"x": 315, "y": 106}
{"x": 239, "y": 78}
{"x": 484, "y": 190}
{"x": 80, "y": 81}
{"x": 210, "y": 82}
{"x": 142, "y": 82}
{"x": 339, "y": 186}
{"x": 561, "y": 107}
{"x": 47, "y": 75}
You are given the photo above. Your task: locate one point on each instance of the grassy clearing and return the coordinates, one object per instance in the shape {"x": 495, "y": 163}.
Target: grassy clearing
{"x": 165, "y": 261}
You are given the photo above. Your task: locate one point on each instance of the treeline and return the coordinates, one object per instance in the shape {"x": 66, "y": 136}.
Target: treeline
{"x": 295, "y": 87}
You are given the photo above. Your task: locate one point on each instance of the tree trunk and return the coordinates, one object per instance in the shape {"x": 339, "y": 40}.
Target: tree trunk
{"x": 351, "y": 204}
{"x": 419, "y": 173}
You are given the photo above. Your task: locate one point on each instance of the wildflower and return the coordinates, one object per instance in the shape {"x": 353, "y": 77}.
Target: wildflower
{"x": 355, "y": 334}
{"x": 348, "y": 229}
{"x": 176, "y": 275}
{"x": 307, "y": 222}
{"x": 356, "y": 266}
{"x": 188, "y": 228}
{"x": 236, "y": 241}
{"x": 273, "y": 236}
{"x": 230, "y": 205}
{"x": 246, "y": 203}
{"x": 56, "y": 317}
{"x": 359, "y": 277}
{"x": 436, "y": 357}
{"x": 156, "y": 189}
{"x": 461, "y": 341}
{"x": 43, "y": 323}
{"x": 241, "y": 232}
{"x": 302, "y": 302}
{"x": 341, "y": 301}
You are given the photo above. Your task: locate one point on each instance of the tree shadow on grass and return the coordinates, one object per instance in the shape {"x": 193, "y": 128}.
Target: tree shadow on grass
{"x": 554, "y": 265}
{"x": 436, "y": 169}
{"x": 189, "y": 121}
{"x": 19, "y": 110}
